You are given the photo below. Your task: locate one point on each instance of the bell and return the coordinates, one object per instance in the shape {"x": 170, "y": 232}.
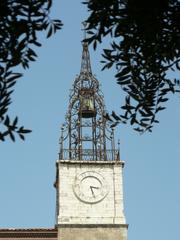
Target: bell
{"x": 87, "y": 109}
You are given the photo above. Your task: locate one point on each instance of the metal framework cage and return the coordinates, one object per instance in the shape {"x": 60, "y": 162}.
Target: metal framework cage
{"x": 86, "y": 134}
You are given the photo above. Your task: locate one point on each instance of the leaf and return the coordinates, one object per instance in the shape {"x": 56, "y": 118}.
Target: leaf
{"x": 22, "y": 130}
{"x": 22, "y": 45}
{"x": 14, "y": 76}
{"x": 149, "y": 128}
{"x": 143, "y": 113}
{"x": 11, "y": 84}
{"x": 32, "y": 52}
{"x": 127, "y": 99}
{"x": 145, "y": 119}
{"x": 160, "y": 109}
{"x": 114, "y": 125}
{"x": 12, "y": 136}
{"x": 15, "y": 121}
{"x": 2, "y": 137}
{"x": 108, "y": 65}
{"x": 49, "y": 4}
{"x": 94, "y": 45}
{"x": 3, "y": 110}
{"x": 31, "y": 58}
{"x": 133, "y": 119}
{"x": 107, "y": 117}
{"x": 124, "y": 72}
{"x": 50, "y": 31}
{"x": 122, "y": 78}
{"x": 37, "y": 44}
{"x": 156, "y": 121}
{"x": 7, "y": 73}
{"x": 164, "y": 99}
{"x": 117, "y": 118}
{"x": 124, "y": 116}
{"x": 22, "y": 136}
{"x": 57, "y": 25}
{"x": 126, "y": 82}
{"x": 7, "y": 121}
{"x": 145, "y": 125}
{"x": 138, "y": 129}
{"x": 25, "y": 64}
{"x": 90, "y": 32}
{"x": 160, "y": 99}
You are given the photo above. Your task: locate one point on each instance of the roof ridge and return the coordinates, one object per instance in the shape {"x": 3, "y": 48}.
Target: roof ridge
{"x": 28, "y": 229}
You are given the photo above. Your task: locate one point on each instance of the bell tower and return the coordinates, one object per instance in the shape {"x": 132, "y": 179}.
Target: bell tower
{"x": 89, "y": 181}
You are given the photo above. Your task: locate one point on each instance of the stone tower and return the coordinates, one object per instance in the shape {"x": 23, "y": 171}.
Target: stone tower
{"x": 89, "y": 177}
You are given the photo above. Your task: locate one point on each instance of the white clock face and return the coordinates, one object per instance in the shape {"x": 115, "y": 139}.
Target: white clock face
{"x": 90, "y": 187}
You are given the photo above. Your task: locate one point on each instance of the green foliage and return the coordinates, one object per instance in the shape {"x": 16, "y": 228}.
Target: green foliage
{"x": 145, "y": 47}
{"x": 20, "y": 23}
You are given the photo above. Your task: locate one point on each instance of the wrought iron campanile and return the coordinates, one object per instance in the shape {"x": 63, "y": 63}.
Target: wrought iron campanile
{"x": 86, "y": 134}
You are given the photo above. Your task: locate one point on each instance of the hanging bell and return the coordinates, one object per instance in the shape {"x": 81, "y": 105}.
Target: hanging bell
{"x": 87, "y": 108}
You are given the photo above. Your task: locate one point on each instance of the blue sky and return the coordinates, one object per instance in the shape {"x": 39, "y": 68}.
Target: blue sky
{"x": 27, "y": 172}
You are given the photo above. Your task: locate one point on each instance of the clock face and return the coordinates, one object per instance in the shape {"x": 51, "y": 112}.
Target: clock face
{"x": 90, "y": 187}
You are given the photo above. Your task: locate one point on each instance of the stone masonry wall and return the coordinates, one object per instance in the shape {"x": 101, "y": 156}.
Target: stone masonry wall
{"x": 74, "y": 211}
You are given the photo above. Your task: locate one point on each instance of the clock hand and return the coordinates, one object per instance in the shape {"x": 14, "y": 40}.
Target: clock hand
{"x": 91, "y": 187}
{"x": 92, "y": 191}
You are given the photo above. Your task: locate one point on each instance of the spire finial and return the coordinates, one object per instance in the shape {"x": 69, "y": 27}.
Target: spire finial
{"x": 85, "y": 63}
{"x": 84, "y": 29}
